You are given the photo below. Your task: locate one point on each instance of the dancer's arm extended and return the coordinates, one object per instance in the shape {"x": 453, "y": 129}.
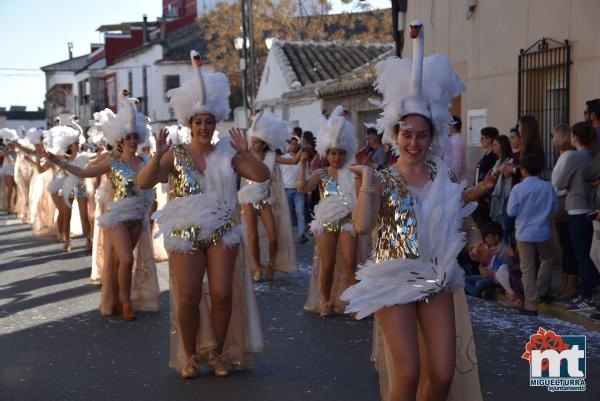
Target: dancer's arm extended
{"x": 159, "y": 167}
{"x": 368, "y": 201}
{"x": 244, "y": 162}
{"x": 102, "y": 166}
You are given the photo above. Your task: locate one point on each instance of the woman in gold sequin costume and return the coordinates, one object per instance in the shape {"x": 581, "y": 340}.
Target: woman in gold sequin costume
{"x": 412, "y": 281}
{"x": 201, "y": 231}
{"x": 336, "y": 142}
{"x": 125, "y": 219}
{"x": 266, "y": 201}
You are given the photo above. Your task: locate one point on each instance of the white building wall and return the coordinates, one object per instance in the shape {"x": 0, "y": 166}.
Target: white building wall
{"x": 60, "y": 77}
{"x": 272, "y": 82}
{"x": 15, "y": 124}
{"x": 305, "y": 115}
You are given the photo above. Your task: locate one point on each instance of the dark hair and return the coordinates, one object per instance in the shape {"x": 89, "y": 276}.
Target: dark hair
{"x": 490, "y": 132}
{"x": 532, "y": 163}
{"x": 585, "y": 133}
{"x": 309, "y": 137}
{"x": 514, "y": 129}
{"x": 492, "y": 228}
{"x": 593, "y": 106}
{"x": 530, "y": 137}
{"x": 427, "y": 119}
{"x": 456, "y": 122}
{"x": 297, "y": 132}
{"x": 506, "y": 150}
{"x": 372, "y": 131}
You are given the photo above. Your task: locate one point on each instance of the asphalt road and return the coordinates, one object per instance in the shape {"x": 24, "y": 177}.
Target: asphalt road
{"x": 55, "y": 345}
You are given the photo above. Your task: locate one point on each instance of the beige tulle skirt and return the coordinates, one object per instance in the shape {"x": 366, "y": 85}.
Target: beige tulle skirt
{"x": 244, "y": 336}
{"x": 41, "y": 206}
{"x": 23, "y": 172}
{"x": 465, "y": 383}
{"x": 158, "y": 243}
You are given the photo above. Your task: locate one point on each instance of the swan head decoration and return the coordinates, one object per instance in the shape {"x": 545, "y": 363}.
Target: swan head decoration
{"x": 127, "y": 121}
{"x": 205, "y": 93}
{"x": 271, "y": 130}
{"x": 422, "y": 85}
{"x": 337, "y": 133}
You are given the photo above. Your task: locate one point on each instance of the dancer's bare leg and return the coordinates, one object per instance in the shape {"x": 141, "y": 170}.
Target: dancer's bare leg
{"x": 269, "y": 223}
{"x": 66, "y": 221}
{"x": 59, "y": 204}
{"x": 327, "y": 247}
{"x": 348, "y": 246}
{"x": 82, "y": 203}
{"x": 250, "y": 221}
{"x": 123, "y": 241}
{"x": 188, "y": 273}
{"x": 399, "y": 326}
{"x": 436, "y": 319}
{"x": 220, "y": 267}
{"x": 11, "y": 193}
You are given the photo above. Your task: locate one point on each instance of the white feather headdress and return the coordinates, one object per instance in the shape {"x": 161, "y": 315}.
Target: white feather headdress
{"x": 95, "y": 133}
{"x": 423, "y": 86}
{"x": 337, "y": 133}
{"x": 178, "y": 135}
{"x": 9, "y": 134}
{"x": 271, "y": 129}
{"x": 127, "y": 121}
{"x": 204, "y": 93}
{"x": 62, "y": 138}
{"x": 34, "y": 136}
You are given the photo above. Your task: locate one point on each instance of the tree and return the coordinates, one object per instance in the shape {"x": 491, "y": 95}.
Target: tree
{"x": 280, "y": 20}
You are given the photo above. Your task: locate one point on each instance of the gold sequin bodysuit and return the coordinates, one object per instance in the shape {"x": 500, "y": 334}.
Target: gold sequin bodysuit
{"x": 186, "y": 180}
{"x": 328, "y": 187}
{"x": 123, "y": 179}
{"x": 397, "y": 220}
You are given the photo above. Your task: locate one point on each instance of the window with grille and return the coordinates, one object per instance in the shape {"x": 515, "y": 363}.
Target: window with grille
{"x": 544, "y": 88}
{"x": 171, "y": 82}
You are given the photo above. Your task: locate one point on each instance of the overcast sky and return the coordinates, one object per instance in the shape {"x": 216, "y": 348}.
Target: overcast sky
{"x": 35, "y": 33}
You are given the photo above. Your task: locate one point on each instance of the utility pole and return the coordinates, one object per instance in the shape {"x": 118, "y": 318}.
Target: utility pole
{"x": 398, "y": 17}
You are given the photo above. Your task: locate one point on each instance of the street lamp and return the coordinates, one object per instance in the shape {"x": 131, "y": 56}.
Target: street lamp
{"x": 269, "y": 43}
{"x": 398, "y": 15}
{"x": 240, "y": 44}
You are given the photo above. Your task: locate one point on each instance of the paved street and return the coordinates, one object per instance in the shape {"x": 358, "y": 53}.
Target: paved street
{"x": 55, "y": 345}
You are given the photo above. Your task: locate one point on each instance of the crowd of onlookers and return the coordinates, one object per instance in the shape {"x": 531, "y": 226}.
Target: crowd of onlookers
{"x": 539, "y": 218}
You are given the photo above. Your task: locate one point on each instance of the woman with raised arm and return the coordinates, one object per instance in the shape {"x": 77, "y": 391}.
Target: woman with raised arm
{"x": 336, "y": 241}
{"x": 412, "y": 281}
{"x": 267, "y": 201}
{"x": 125, "y": 218}
{"x": 201, "y": 231}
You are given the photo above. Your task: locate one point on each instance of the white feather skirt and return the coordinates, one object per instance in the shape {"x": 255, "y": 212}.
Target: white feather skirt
{"x": 400, "y": 281}
{"x": 131, "y": 208}
{"x": 330, "y": 210}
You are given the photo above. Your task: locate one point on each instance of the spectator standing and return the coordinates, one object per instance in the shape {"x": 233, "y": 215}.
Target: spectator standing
{"x": 289, "y": 173}
{"x": 592, "y": 115}
{"x": 313, "y": 163}
{"x": 456, "y": 156}
{"x": 499, "y": 196}
{"x": 561, "y": 138}
{"x": 533, "y": 202}
{"x": 484, "y": 166}
{"x": 591, "y": 175}
{"x": 530, "y": 142}
{"x": 577, "y": 204}
{"x": 373, "y": 153}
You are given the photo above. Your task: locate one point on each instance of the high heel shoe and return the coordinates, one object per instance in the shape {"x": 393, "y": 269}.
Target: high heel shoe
{"x": 220, "y": 367}
{"x": 257, "y": 275}
{"x": 128, "y": 314}
{"x": 326, "y": 309}
{"x": 67, "y": 246}
{"x": 190, "y": 369}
